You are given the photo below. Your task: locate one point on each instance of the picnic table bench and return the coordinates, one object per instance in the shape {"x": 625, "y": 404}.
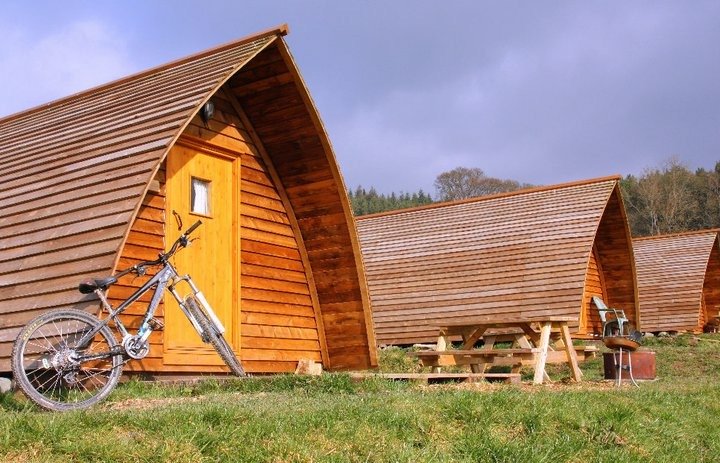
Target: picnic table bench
{"x": 431, "y": 378}
{"x": 532, "y": 335}
{"x": 476, "y": 356}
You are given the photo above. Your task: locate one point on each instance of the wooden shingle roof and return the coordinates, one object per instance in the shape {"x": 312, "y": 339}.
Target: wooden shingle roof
{"x": 75, "y": 170}
{"x": 675, "y": 274}
{"x": 520, "y": 253}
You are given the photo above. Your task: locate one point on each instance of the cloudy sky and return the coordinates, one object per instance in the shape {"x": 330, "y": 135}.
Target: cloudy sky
{"x": 541, "y": 92}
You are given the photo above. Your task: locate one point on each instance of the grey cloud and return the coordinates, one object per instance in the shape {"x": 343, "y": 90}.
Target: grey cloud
{"x": 540, "y": 92}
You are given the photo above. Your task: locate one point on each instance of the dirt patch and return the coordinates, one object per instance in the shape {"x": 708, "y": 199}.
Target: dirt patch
{"x": 555, "y": 386}
{"x": 479, "y": 386}
{"x": 146, "y": 404}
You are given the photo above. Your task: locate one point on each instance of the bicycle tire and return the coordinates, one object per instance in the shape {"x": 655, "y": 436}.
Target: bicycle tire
{"x": 214, "y": 337}
{"x": 46, "y": 371}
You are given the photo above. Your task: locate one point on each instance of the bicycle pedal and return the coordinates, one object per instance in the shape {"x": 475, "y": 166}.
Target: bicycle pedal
{"x": 156, "y": 324}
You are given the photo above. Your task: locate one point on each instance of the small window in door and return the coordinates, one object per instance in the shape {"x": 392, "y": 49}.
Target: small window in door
{"x": 200, "y": 196}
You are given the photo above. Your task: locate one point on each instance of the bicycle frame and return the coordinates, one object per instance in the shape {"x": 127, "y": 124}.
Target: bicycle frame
{"x": 167, "y": 278}
{"x": 56, "y": 358}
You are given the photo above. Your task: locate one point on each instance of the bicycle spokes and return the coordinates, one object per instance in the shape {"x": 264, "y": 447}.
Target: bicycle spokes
{"x": 59, "y": 368}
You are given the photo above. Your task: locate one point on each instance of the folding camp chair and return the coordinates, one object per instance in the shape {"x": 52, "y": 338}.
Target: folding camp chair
{"x": 615, "y": 325}
{"x": 614, "y": 321}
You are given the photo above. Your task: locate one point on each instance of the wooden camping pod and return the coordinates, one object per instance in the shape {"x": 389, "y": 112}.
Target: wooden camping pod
{"x": 678, "y": 280}
{"x": 99, "y": 180}
{"x": 542, "y": 251}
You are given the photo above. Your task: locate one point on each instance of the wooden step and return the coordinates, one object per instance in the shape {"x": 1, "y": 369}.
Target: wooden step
{"x": 442, "y": 377}
{"x": 475, "y": 352}
{"x": 464, "y": 357}
{"x": 512, "y": 357}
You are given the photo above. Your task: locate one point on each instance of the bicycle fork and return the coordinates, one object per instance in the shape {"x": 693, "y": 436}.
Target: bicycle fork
{"x": 200, "y": 298}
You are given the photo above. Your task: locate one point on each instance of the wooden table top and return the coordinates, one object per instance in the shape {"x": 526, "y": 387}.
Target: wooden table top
{"x": 506, "y": 321}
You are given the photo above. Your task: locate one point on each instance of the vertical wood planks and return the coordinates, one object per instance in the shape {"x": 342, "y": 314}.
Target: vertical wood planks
{"x": 76, "y": 171}
{"x": 281, "y": 114}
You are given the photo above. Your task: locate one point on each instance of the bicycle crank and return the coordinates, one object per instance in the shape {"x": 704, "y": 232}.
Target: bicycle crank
{"x": 135, "y": 347}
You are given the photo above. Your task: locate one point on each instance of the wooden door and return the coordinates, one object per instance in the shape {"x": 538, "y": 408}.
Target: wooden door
{"x": 203, "y": 186}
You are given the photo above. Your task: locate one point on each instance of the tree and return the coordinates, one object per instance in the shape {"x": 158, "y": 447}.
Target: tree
{"x": 708, "y": 197}
{"x": 463, "y": 182}
{"x": 662, "y": 200}
{"x": 370, "y": 202}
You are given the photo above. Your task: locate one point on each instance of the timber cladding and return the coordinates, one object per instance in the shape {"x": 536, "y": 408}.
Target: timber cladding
{"x": 678, "y": 280}
{"x": 542, "y": 251}
{"x": 294, "y": 142}
{"x": 83, "y": 193}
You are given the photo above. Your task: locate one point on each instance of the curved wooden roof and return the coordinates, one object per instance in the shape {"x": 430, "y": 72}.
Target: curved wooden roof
{"x": 673, "y": 272}
{"x": 75, "y": 172}
{"x": 522, "y": 253}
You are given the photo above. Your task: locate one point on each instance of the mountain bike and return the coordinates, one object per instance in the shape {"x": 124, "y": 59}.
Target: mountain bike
{"x": 68, "y": 359}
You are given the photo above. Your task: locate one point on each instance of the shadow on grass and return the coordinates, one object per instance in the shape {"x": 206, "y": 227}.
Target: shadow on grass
{"x": 13, "y": 401}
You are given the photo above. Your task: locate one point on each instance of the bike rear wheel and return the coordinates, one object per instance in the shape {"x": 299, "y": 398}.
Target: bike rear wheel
{"x": 51, "y": 367}
{"x": 214, "y": 337}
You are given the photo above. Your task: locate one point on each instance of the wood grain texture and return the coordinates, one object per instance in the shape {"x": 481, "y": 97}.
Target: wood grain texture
{"x": 281, "y": 114}
{"x": 79, "y": 198}
{"x": 75, "y": 172}
{"x": 519, "y": 254}
{"x": 678, "y": 280}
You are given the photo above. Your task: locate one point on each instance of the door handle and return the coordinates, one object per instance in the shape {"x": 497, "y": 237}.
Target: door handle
{"x": 178, "y": 219}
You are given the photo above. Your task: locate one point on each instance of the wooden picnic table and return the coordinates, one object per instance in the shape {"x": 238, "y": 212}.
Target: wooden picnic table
{"x": 531, "y": 340}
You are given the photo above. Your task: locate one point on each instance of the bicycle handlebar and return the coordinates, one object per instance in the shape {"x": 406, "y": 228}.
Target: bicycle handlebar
{"x": 181, "y": 242}
{"x": 192, "y": 228}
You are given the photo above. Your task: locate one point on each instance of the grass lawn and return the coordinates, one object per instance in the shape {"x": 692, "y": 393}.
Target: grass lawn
{"x": 332, "y": 418}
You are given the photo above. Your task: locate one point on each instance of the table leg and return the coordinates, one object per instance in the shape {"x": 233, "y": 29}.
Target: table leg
{"x": 570, "y": 352}
{"x": 441, "y": 346}
{"x": 489, "y": 342}
{"x": 471, "y": 337}
{"x": 541, "y": 357}
{"x": 530, "y": 333}
{"x": 480, "y": 367}
{"x": 523, "y": 342}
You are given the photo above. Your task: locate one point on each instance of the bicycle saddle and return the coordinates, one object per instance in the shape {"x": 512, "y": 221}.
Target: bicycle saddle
{"x": 88, "y": 286}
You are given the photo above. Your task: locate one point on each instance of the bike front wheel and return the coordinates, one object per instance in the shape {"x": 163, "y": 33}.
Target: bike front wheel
{"x": 57, "y": 369}
{"x": 214, "y": 337}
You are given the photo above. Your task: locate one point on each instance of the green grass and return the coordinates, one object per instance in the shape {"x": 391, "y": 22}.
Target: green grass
{"x": 332, "y": 418}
